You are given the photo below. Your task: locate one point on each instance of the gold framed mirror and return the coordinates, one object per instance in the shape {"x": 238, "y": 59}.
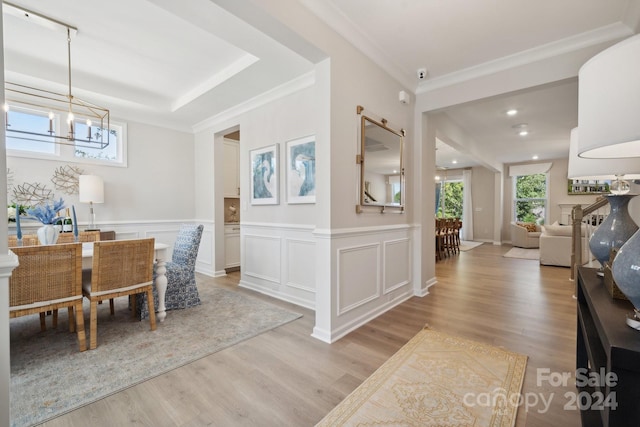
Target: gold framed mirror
{"x": 381, "y": 165}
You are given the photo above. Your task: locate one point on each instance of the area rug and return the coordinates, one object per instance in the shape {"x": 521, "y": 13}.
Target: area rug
{"x": 467, "y": 245}
{"x": 533, "y": 253}
{"x": 49, "y": 376}
{"x": 437, "y": 380}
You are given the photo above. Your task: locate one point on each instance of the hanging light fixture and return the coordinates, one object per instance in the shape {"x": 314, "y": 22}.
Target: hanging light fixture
{"x": 17, "y": 95}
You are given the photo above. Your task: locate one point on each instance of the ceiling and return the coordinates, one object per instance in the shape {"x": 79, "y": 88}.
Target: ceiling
{"x": 455, "y": 40}
{"x": 158, "y": 61}
{"x": 179, "y": 63}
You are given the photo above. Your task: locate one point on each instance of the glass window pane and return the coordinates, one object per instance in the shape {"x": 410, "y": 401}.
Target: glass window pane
{"x": 29, "y": 122}
{"x": 110, "y": 152}
{"x": 531, "y": 211}
{"x": 531, "y": 186}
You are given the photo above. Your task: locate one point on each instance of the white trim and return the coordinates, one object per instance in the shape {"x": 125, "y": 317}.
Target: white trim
{"x": 529, "y": 169}
{"x": 214, "y": 81}
{"x": 600, "y": 35}
{"x": 295, "y": 85}
{"x": 344, "y": 26}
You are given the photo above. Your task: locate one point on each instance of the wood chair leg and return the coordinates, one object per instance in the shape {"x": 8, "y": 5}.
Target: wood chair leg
{"x": 111, "y": 307}
{"x": 93, "y": 325}
{"x": 132, "y": 305}
{"x": 72, "y": 320}
{"x": 55, "y": 319}
{"x": 43, "y": 324}
{"x": 79, "y": 324}
{"x": 152, "y": 308}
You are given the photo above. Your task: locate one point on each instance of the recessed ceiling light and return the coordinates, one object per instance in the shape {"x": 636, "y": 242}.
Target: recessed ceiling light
{"x": 437, "y": 177}
{"x": 512, "y": 112}
{"x": 523, "y": 133}
{"x": 535, "y": 157}
{"x": 454, "y": 161}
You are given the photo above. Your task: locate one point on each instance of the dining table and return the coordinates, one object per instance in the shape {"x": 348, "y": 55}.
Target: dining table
{"x": 159, "y": 268}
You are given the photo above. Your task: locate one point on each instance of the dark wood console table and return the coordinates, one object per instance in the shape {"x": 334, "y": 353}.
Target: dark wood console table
{"x": 107, "y": 235}
{"x": 605, "y": 344}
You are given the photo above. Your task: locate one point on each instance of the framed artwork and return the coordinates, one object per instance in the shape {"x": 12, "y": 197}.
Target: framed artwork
{"x": 580, "y": 186}
{"x": 301, "y": 170}
{"x": 264, "y": 175}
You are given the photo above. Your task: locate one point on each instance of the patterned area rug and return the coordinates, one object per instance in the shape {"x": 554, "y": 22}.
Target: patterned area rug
{"x": 523, "y": 253}
{"x": 49, "y": 376}
{"x": 437, "y": 380}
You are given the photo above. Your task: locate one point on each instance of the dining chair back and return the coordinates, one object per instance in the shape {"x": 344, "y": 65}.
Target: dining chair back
{"x": 119, "y": 268}
{"x": 27, "y": 240}
{"x": 46, "y": 279}
{"x": 32, "y": 239}
{"x": 83, "y": 237}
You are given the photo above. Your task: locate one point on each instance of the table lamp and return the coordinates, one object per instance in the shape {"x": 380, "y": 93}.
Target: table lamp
{"x": 91, "y": 190}
{"x": 618, "y": 227}
{"x": 608, "y": 112}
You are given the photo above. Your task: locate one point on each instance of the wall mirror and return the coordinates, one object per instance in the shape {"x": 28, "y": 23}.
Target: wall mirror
{"x": 381, "y": 165}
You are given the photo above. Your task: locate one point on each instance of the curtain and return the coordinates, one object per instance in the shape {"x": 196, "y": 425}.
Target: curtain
{"x": 467, "y": 206}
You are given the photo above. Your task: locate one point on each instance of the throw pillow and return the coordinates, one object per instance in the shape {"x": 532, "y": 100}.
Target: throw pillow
{"x": 530, "y": 226}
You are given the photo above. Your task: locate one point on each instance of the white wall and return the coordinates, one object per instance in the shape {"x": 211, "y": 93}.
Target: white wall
{"x": 277, "y": 244}
{"x": 359, "y": 270}
{"x": 278, "y": 241}
{"x": 156, "y": 185}
{"x": 150, "y": 197}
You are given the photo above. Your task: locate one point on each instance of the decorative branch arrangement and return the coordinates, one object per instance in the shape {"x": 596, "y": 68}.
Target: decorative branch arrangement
{"x": 31, "y": 194}
{"x": 65, "y": 178}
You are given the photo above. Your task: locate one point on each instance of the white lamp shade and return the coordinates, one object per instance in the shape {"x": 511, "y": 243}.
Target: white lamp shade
{"x": 91, "y": 189}
{"x": 598, "y": 169}
{"x": 609, "y": 102}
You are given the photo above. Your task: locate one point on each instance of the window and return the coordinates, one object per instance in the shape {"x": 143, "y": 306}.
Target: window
{"x": 111, "y": 153}
{"x": 36, "y": 146}
{"x": 530, "y": 198}
{"x": 451, "y": 200}
{"x": 31, "y": 120}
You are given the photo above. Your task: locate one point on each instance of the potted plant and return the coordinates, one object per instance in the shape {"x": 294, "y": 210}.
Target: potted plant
{"x": 47, "y": 213}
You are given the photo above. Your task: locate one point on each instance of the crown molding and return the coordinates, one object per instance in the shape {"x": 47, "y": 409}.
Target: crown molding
{"x": 340, "y": 23}
{"x": 304, "y": 81}
{"x": 344, "y": 26}
{"x": 608, "y": 33}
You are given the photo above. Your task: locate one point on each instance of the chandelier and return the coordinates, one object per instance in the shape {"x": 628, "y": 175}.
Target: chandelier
{"x": 27, "y": 98}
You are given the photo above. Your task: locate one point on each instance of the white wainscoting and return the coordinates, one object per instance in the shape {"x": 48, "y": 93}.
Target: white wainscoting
{"x": 279, "y": 260}
{"x": 358, "y": 276}
{"x": 373, "y": 274}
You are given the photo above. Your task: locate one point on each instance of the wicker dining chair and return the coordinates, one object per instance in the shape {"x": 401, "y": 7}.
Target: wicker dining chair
{"x": 83, "y": 237}
{"x": 119, "y": 268}
{"x": 49, "y": 278}
{"x": 27, "y": 240}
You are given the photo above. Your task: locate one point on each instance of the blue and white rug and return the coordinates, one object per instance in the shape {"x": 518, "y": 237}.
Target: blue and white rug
{"x": 50, "y": 377}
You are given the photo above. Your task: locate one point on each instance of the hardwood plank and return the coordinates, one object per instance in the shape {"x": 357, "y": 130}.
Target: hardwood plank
{"x": 286, "y": 377}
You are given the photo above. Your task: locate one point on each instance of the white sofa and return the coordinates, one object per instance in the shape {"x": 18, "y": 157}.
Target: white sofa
{"x": 555, "y": 245}
{"x": 523, "y": 238}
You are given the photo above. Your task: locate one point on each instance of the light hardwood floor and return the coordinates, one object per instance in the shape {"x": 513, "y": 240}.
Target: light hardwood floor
{"x": 285, "y": 377}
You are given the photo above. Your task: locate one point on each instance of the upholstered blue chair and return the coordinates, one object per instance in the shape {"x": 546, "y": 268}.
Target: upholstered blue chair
{"x": 182, "y": 291}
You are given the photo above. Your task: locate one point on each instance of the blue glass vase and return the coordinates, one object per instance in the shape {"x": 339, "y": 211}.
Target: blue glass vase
{"x": 615, "y": 230}
{"x": 626, "y": 269}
